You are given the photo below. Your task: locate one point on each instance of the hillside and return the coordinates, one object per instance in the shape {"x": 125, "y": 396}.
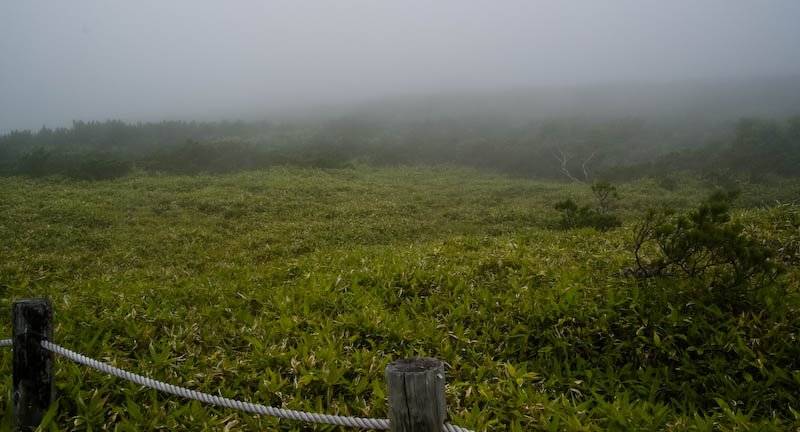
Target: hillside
{"x": 296, "y": 287}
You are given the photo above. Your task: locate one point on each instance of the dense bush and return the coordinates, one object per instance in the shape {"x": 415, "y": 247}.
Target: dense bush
{"x": 34, "y": 163}
{"x": 84, "y": 166}
{"x": 758, "y": 149}
{"x": 194, "y": 157}
{"x": 575, "y": 216}
{"x": 101, "y": 168}
{"x": 705, "y": 245}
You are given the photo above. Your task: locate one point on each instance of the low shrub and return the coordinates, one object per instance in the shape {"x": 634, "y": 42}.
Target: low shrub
{"x": 194, "y": 157}
{"x": 34, "y": 163}
{"x": 101, "y": 168}
{"x": 574, "y": 216}
{"x": 599, "y": 218}
{"x": 707, "y": 246}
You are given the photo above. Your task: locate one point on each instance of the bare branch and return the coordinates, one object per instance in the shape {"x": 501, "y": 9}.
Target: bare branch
{"x": 563, "y": 158}
{"x": 583, "y": 165}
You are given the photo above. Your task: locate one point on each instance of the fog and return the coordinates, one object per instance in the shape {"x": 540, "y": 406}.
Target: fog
{"x": 208, "y": 60}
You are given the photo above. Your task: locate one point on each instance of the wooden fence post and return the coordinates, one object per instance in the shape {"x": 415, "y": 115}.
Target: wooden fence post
{"x": 33, "y": 373}
{"x": 416, "y": 395}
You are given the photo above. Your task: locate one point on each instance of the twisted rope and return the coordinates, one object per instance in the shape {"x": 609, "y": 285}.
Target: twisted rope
{"x": 453, "y": 428}
{"x": 5, "y": 342}
{"x": 359, "y": 422}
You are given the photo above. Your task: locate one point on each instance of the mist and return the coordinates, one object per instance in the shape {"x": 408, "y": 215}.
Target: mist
{"x": 203, "y": 60}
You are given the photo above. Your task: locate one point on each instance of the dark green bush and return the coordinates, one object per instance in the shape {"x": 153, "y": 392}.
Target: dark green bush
{"x": 101, "y": 168}
{"x": 706, "y": 246}
{"x": 194, "y": 157}
{"x": 667, "y": 182}
{"x": 34, "y": 163}
{"x": 574, "y": 216}
{"x": 79, "y": 165}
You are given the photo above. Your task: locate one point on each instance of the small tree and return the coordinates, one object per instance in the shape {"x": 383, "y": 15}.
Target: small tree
{"x": 605, "y": 193}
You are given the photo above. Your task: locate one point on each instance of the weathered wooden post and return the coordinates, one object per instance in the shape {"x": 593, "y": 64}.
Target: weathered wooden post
{"x": 33, "y": 374}
{"x": 416, "y": 395}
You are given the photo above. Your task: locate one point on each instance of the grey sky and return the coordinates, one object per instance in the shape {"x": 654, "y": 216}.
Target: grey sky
{"x": 148, "y": 60}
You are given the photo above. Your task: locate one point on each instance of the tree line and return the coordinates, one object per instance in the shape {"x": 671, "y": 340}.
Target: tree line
{"x": 575, "y": 149}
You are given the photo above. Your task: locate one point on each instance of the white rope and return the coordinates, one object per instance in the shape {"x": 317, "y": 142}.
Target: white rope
{"x": 5, "y": 342}
{"x": 359, "y": 422}
{"x": 453, "y": 428}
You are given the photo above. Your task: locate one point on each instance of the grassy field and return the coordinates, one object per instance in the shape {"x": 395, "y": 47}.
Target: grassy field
{"x": 296, "y": 287}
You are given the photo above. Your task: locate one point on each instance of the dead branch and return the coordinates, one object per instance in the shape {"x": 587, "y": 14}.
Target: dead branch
{"x": 563, "y": 158}
{"x": 583, "y": 165}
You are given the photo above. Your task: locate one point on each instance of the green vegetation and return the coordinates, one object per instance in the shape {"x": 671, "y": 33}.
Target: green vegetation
{"x": 574, "y": 216}
{"x": 295, "y": 287}
{"x": 606, "y": 194}
{"x": 579, "y": 149}
{"x": 759, "y": 150}
{"x": 707, "y": 248}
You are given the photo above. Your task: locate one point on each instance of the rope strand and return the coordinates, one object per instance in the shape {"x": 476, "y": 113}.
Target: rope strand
{"x": 359, "y": 422}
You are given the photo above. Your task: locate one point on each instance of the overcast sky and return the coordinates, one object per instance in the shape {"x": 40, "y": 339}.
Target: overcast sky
{"x": 148, "y": 60}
